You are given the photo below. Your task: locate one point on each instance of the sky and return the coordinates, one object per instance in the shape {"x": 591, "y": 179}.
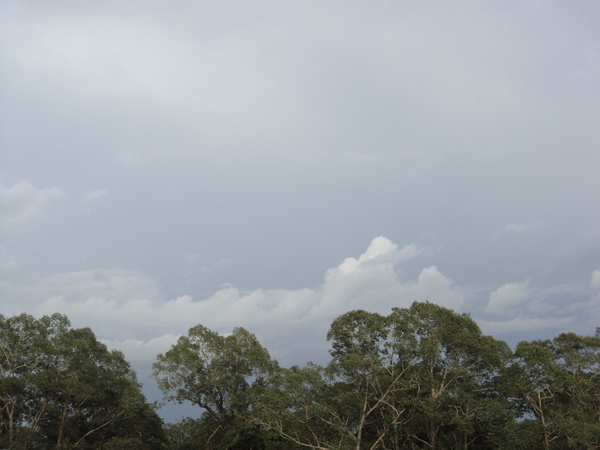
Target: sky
{"x": 273, "y": 165}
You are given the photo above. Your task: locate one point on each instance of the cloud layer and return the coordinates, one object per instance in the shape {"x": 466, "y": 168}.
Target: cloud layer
{"x": 129, "y": 309}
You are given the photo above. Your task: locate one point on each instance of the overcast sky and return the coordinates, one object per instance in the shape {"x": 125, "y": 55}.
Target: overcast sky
{"x": 272, "y": 165}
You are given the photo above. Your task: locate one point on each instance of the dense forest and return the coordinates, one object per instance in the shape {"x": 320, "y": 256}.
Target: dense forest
{"x": 421, "y": 377}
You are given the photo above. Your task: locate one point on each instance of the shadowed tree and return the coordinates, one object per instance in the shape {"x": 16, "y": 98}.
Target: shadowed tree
{"x": 451, "y": 386}
{"x": 61, "y": 387}
{"x": 221, "y": 374}
{"x": 558, "y": 383}
{"x": 423, "y": 376}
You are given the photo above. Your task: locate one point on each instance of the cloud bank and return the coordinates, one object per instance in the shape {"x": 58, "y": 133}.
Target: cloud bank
{"x": 128, "y": 309}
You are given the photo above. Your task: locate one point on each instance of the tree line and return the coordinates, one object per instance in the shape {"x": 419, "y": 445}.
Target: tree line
{"x": 423, "y": 377}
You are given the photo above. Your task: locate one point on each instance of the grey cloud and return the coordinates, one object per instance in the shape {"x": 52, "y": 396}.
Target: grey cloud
{"x": 22, "y": 204}
{"x": 94, "y": 195}
{"x": 521, "y": 228}
{"x": 124, "y": 305}
{"x": 509, "y": 296}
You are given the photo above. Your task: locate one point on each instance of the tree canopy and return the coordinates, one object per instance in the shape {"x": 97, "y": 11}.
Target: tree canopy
{"x": 421, "y": 377}
{"x": 62, "y": 388}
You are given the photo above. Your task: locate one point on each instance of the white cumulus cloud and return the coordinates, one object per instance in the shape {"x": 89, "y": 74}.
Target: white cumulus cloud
{"x": 509, "y": 297}
{"x": 121, "y": 305}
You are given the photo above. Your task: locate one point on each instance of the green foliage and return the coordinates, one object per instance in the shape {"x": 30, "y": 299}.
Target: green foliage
{"x": 221, "y": 374}
{"x": 451, "y": 390}
{"x": 558, "y": 382}
{"x": 61, "y": 387}
{"x": 421, "y": 377}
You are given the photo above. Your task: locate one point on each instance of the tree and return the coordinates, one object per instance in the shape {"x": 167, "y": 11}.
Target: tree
{"x": 558, "y": 383}
{"x": 24, "y": 344}
{"x": 366, "y": 374}
{"x": 60, "y": 386}
{"x": 422, "y": 376}
{"x": 451, "y": 385}
{"x": 221, "y": 374}
{"x": 343, "y": 405}
{"x": 299, "y": 405}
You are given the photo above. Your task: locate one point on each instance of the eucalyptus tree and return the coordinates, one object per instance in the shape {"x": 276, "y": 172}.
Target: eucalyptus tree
{"x": 423, "y": 376}
{"x": 61, "y": 387}
{"x": 365, "y": 375}
{"x": 451, "y": 386}
{"x": 24, "y": 346}
{"x": 223, "y": 375}
{"x": 558, "y": 383}
{"x": 336, "y": 407}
